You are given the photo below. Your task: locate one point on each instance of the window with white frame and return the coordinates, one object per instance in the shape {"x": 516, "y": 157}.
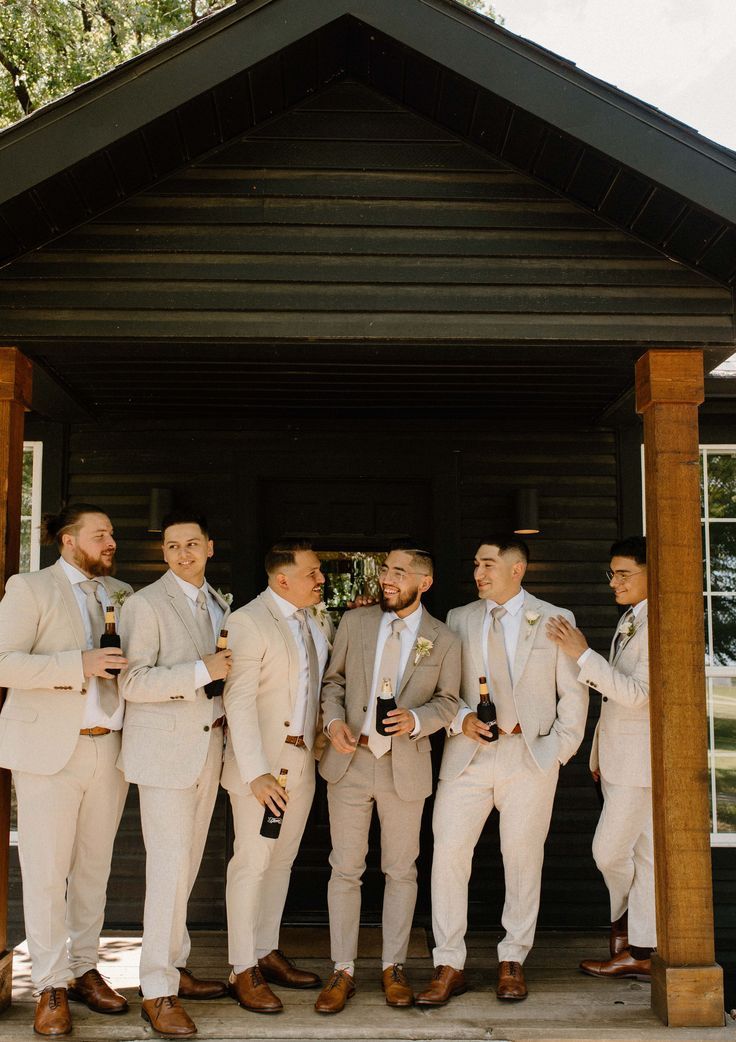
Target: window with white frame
{"x": 30, "y": 508}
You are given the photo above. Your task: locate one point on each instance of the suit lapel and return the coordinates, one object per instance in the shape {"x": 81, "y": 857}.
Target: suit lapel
{"x": 180, "y": 604}
{"x": 638, "y": 621}
{"x": 223, "y": 605}
{"x": 71, "y": 604}
{"x": 282, "y": 626}
{"x": 427, "y": 628}
{"x": 475, "y": 636}
{"x": 370, "y": 622}
{"x": 527, "y": 636}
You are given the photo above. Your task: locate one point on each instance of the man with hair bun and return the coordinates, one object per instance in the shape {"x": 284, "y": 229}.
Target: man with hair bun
{"x": 60, "y": 736}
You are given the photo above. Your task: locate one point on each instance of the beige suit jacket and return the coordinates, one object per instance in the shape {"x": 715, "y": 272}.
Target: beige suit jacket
{"x": 621, "y": 747}
{"x": 261, "y": 690}
{"x": 429, "y": 687}
{"x": 41, "y": 643}
{"x": 167, "y": 719}
{"x": 551, "y": 704}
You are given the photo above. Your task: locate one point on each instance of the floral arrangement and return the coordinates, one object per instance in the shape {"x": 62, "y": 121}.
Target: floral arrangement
{"x": 423, "y": 648}
{"x": 227, "y": 597}
{"x": 119, "y": 597}
{"x": 532, "y": 618}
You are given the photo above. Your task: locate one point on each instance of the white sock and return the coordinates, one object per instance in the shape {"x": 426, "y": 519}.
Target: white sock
{"x": 347, "y": 967}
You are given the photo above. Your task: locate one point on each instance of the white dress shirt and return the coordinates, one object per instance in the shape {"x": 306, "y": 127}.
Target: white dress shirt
{"x": 94, "y": 714}
{"x": 408, "y": 640}
{"x": 201, "y": 673}
{"x": 301, "y": 703}
{"x": 636, "y": 608}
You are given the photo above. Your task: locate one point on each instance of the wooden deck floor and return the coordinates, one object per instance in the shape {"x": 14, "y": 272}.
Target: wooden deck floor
{"x": 563, "y": 1005}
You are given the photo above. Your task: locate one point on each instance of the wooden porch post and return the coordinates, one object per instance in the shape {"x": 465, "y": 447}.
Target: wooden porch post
{"x": 16, "y": 375}
{"x": 687, "y": 985}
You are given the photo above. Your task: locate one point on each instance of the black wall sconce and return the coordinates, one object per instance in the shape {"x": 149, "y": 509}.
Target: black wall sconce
{"x": 527, "y": 512}
{"x": 159, "y": 504}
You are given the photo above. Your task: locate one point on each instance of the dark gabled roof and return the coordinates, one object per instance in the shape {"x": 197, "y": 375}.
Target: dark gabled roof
{"x": 640, "y": 170}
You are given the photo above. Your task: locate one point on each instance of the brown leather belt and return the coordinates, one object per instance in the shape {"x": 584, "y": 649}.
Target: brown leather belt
{"x": 219, "y": 722}
{"x": 95, "y": 732}
{"x": 516, "y": 730}
{"x": 363, "y": 740}
{"x": 297, "y": 740}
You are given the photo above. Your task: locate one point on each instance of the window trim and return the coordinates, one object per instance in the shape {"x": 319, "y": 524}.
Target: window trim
{"x": 36, "y": 447}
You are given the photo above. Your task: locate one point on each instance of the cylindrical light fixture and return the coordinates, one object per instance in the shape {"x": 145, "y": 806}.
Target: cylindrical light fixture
{"x": 527, "y": 512}
{"x": 159, "y": 504}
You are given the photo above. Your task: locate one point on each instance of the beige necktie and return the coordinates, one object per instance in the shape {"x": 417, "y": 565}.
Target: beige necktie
{"x": 387, "y": 670}
{"x": 310, "y": 717}
{"x": 499, "y": 673}
{"x": 107, "y": 690}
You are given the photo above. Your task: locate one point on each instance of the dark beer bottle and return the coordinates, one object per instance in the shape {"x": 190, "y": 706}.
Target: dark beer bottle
{"x": 110, "y": 638}
{"x": 216, "y": 687}
{"x": 384, "y": 704}
{"x": 271, "y": 824}
{"x": 487, "y": 711}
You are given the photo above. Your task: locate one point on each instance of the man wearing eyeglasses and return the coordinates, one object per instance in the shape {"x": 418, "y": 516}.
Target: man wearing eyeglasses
{"x": 620, "y": 759}
{"x": 397, "y": 640}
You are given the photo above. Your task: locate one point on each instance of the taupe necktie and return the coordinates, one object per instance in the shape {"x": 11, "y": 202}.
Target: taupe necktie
{"x": 203, "y": 622}
{"x": 621, "y": 632}
{"x": 499, "y": 673}
{"x": 107, "y": 690}
{"x": 388, "y": 669}
{"x": 310, "y": 717}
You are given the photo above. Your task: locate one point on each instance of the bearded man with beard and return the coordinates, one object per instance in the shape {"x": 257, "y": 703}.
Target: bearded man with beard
{"x": 60, "y": 736}
{"x": 397, "y": 640}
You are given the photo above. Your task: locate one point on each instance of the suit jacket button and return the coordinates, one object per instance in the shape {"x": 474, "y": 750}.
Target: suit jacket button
{"x": 206, "y": 727}
{"x": 287, "y": 723}
{"x": 605, "y": 698}
{"x": 365, "y": 709}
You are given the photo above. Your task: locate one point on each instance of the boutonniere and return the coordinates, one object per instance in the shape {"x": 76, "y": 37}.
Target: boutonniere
{"x": 630, "y": 629}
{"x": 423, "y": 647}
{"x": 532, "y": 618}
{"x": 226, "y": 597}
{"x": 319, "y": 611}
{"x": 119, "y": 597}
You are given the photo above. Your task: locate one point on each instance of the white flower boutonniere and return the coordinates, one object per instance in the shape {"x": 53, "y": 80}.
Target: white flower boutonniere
{"x": 119, "y": 597}
{"x": 532, "y": 618}
{"x": 320, "y": 612}
{"x": 630, "y": 629}
{"x": 423, "y": 647}
{"x": 227, "y": 597}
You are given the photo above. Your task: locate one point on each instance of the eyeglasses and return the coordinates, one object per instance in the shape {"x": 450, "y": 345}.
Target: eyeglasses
{"x": 619, "y": 577}
{"x": 398, "y": 574}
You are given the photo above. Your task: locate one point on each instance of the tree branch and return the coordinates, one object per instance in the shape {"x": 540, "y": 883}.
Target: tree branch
{"x": 19, "y": 86}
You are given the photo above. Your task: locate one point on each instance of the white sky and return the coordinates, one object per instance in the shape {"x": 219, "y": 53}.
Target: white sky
{"x": 679, "y": 55}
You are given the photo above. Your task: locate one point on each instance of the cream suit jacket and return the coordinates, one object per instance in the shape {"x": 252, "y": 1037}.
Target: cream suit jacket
{"x": 261, "y": 690}
{"x": 41, "y": 643}
{"x": 166, "y": 733}
{"x": 621, "y": 748}
{"x": 551, "y": 704}
{"x": 428, "y": 686}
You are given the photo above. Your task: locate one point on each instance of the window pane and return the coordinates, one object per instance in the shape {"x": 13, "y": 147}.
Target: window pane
{"x": 724, "y": 630}
{"x": 25, "y": 545}
{"x": 722, "y": 485}
{"x": 26, "y": 494}
{"x": 723, "y": 557}
{"x": 707, "y": 634}
{"x": 723, "y": 696}
{"x": 702, "y": 484}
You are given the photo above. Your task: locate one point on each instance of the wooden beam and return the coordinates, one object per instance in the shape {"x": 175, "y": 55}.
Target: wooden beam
{"x": 687, "y": 985}
{"x": 16, "y": 374}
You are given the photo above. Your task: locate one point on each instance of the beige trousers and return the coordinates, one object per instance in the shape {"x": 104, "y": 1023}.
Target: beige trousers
{"x": 175, "y": 823}
{"x": 366, "y": 782}
{"x": 260, "y": 869}
{"x": 502, "y": 775}
{"x": 624, "y": 852}
{"x": 66, "y": 829}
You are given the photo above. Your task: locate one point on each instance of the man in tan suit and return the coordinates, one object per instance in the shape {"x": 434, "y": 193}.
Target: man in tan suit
{"x": 541, "y": 709}
{"x": 397, "y": 640}
{"x": 280, "y": 643}
{"x": 621, "y": 759}
{"x": 60, "y": 736}
{"x": 172, "y": 749}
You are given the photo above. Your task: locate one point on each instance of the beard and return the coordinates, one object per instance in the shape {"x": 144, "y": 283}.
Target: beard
{"x": 91, "y": 565}
{"x": 402, "y": 600}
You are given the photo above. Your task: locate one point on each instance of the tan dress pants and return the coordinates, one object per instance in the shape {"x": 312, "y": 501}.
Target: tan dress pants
{"x": 503, "y": 775}
{"x": 175, "y": 824}
{"x": 260, "y": 869}
{"x": 366, "y": 782}
{"x": 66, "y": 829}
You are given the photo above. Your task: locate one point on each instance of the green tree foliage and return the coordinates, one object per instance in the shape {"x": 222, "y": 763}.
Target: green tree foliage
{"x": 484, "y": 7}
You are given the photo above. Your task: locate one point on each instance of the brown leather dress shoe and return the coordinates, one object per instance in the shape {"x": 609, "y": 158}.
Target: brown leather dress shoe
{"x": 52, "y": 1013}
{"x": 277, "y": 969}
{"x": 396, "y": 987}
{"x": 250, "y": 991}
{"x": 511, "y": 982}
{"x": 619, "y": 937}
{"x": 445, "y": 983}
{"x": 622, "y": 965}
{"x": 94, "y": 991}
{"x": 167, "y": 1017}
{"x": 336, "y": 992}
{"x": 191, "y": 987}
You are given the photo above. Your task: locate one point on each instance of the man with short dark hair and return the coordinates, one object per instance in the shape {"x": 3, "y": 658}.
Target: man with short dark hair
{"x": 621, "y": 759}
{"x": 60, "y": 736}
{"x": 172, "y": 749}
{"x": 541, "y": 709}
{"x": 280, "y": 643}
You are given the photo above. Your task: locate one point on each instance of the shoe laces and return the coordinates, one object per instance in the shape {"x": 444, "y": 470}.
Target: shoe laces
{"x": 289, "y": 962}
{"x": 511, "y": 970}
{"x": 169, "y": 1000}
{"x": 54, "y": 996}
{"x": 95, "y": 976}
{"x": 256, "y": 977}
{"x": 337, "y": 977}
{"x": 397, "y": 972}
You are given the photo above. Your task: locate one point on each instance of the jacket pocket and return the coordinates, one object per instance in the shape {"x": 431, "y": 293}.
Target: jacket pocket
{"x": 24, "y": 713}
{"x": 155, "y": 721}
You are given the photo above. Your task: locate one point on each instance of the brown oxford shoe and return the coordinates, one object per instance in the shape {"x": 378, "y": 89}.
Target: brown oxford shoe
{"x": 250, "y": 991}
{"x": 619, "y": 937}
{"x": 191, "y": 987}
{"x": 511, "y": 982}
{"x": 93, "y": 990}
{"x": 277, "y": 969}
{"x": 445, "y": 983}
{"x": 622, "y": 965}
{"x": 52, "y": 1013}
{"x": 336, "y": 992}
{"x": 396, "y": 987}
{"x": 167, "y": 1017}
